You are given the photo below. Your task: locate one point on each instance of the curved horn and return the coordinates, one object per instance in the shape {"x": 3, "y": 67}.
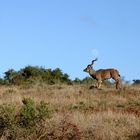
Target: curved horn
{"x": 94, "y": 61}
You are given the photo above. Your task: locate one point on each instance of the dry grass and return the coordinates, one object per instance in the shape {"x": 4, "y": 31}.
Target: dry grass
{"x": 93, "y": 114}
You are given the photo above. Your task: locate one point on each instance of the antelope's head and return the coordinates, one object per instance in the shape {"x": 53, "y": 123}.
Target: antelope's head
{"x": 89, "y": 67}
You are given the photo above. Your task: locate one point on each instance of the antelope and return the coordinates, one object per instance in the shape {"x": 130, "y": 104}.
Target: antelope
{"x": 103, "y": 74}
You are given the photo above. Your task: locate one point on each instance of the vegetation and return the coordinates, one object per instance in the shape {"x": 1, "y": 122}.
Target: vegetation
{"x": 69, "y": 112}
{"x": 32, "y": 75}
{"x": 26, "y": 118}
{"x": 44, "y": 104}
{"x": 136, "y": 82}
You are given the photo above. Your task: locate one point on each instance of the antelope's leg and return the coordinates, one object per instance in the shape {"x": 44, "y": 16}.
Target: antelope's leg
{"x": 99, "y": 82}
{"x": 117, "y": 83}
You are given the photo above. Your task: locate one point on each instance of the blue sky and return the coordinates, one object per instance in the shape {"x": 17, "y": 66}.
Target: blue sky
{"x": 70, "y": 33}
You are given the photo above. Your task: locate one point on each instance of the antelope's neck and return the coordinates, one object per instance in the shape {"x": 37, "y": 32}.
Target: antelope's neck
{"x": 92, "y": 72}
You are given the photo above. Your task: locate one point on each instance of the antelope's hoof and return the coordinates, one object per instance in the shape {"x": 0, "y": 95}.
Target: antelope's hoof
{"x": 93, "y": 87}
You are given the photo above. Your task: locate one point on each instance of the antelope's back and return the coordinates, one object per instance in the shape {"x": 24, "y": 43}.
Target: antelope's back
{"x": 107, "y": 73}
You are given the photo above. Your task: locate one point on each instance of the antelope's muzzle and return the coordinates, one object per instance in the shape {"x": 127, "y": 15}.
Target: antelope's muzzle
{"x": 85, "y": 70}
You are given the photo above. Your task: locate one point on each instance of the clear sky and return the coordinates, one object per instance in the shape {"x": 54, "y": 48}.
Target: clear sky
{"x": 70, "y": 33}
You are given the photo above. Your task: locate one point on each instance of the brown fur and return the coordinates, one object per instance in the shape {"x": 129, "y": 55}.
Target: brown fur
{"x": 102, "y": 74}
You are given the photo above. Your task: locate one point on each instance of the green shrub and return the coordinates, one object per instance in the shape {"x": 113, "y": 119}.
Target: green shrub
{"x": 34, "y": 74}
{"x": 27, "y": 113}
{"x": 43, "y": 111}
{"x": 31, "y": 114}
{"x": 7, "y": 118}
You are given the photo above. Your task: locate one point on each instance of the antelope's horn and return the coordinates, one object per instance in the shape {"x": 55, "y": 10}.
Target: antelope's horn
{"x": 94, "y": 61}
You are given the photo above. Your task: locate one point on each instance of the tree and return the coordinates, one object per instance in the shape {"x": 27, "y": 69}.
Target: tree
{"x": 10, "y": 75}
{"x": 77, "y": 80}
{"x": 136, "y": 82}
{"x": 34, "y": 74}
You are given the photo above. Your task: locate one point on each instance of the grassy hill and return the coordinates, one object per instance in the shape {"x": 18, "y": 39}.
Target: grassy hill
{"x": 76, "y": 112}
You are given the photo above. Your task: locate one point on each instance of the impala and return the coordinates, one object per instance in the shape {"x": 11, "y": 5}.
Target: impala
{"x": 103, "y": 74}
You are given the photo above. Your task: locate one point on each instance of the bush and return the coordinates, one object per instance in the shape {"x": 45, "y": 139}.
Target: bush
{"x": 27, "y": 113}
{"x": 31, "y": 114}
{"x": 35, "y": 74}
{"x": 88, "y": 80}
{"x": 7, "y": 117}
{"x": 136, "y": 82}
{"x": 43, "y": 111}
